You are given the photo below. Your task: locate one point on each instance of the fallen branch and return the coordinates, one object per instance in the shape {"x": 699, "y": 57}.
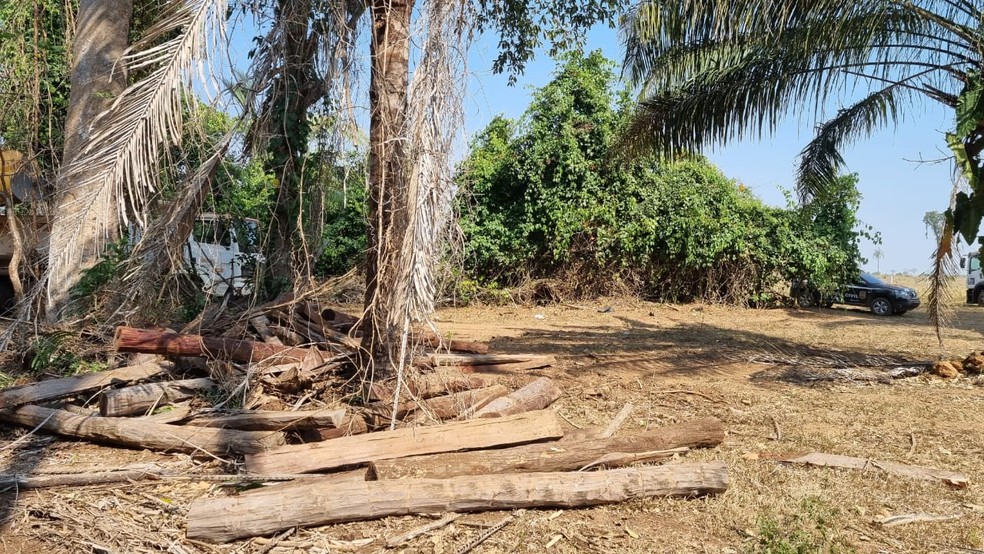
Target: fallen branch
{"x": 307, "y": 504}
{"x": 618, "y": 420}
{"x": 956, "y": 480}
{"x": 427, "y": 528}
{"x": 485, "y": 535}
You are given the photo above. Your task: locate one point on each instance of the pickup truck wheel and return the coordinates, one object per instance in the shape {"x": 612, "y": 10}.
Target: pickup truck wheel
{"x": 804, "y": 299}
{"x": 881, "y": 306}
{"x": 979, "y": 296}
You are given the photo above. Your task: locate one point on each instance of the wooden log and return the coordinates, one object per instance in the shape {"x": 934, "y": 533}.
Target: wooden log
{"x": 262, "y": 326}
{"x": 483, "y": 359}
{"x": 438, "y": 408}
{"x": 552, "y": 456}
{"x": 360, "y": 449}
{"x": 512, "y": 367}
{"x": 140, "y": 398}
{"x": 134, "y": 433}
{"x": 340, "y": 321}
{"x": 434, "y": 340}
{"x": 89, "y": 382}
{"x": 428, "y": 386}
{"x": 275, "y": 421}
{"x": 128, "y": 339}
{"x": 306, "y": 504}
{"x": 535, "y": 396}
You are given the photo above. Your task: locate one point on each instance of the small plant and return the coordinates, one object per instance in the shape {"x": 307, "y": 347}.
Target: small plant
{"x": 48, "y": 354}
{"x": 811, "y": 530}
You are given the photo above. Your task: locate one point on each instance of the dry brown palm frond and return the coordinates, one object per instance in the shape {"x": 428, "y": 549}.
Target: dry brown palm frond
{"x": 131, "y": 139}
{"x": 939, "y": 296}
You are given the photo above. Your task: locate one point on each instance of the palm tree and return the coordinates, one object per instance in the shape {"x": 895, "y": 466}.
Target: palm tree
{"x": 711, "y": 71}
{"x": 878, "y": 255}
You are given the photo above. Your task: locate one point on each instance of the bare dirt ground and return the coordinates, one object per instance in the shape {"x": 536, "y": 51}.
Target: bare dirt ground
{"x": 781, "y": 380}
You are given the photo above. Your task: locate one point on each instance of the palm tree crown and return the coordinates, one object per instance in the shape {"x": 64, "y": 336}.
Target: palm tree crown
{"x": 710, "y": 71}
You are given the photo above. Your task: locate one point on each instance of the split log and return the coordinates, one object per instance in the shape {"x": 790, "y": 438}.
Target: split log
{"x": 89, "y": 382}
{"x": 134, "y": 433}
{"x": 535, "y": 396}
{"x": 262, "y": 326}
{"x": 140, "y": 398}
{"x": 307, "y": 504}
{"x": 276, "y": 421}
{"x": 552, "y": 456}
{"x": 128, "y": 339}
{"x": 428, "y": 386}
{"x": 360, "y": 449}
{"x": 953, "y": 479}
{"x": 438, "y": 408}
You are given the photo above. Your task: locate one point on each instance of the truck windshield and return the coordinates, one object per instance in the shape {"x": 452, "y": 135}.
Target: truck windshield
{"x": 975, "y": 264}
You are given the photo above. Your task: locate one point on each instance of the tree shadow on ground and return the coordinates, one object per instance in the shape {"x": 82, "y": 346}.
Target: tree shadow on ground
{"x": 645, "y": 349}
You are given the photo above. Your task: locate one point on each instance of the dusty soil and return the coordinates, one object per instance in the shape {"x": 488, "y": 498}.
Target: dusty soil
{"x": 781, "y": 380}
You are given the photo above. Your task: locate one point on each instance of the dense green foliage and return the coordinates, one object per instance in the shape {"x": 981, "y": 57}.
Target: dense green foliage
{"x": 544, "y": 198}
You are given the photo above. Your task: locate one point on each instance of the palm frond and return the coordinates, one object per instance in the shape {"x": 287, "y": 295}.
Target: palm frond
{"x": 820, "y": 160}
{"x": 131, "y": 138}
{"x": 939, "y": 296}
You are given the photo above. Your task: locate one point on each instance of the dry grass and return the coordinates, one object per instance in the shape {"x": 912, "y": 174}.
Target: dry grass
{"x": 636, "y": 353}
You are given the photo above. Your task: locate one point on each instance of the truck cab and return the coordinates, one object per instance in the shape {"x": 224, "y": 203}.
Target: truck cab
{"x": 971, "y": 263}
{"x": 223, "y": 253}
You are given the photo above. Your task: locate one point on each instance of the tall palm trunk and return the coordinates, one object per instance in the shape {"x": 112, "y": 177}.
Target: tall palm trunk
{"x": 97, "y": 79}
{"x": 388, "y": 205}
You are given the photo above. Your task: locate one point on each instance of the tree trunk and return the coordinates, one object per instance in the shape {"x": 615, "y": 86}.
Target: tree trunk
{"x": 307, "y": 503}
{"x": 102, "y": 35}
{"x": 388, "y": 217}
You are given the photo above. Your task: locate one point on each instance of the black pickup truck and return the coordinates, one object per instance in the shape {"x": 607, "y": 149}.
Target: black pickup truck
{"x": 868, "y": 291}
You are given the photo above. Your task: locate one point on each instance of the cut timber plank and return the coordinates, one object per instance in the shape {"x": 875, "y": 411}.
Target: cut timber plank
{"x": 553, "y": 456}
{"x": 140, "y": 398}
{"x": 360, "y": 449}
{"x": 513, "y": 367}
{"x": 455, "y": 345}
{"x": 306, "y": 504}
{"x": 275, "y": 421}
{"x": 535, "y": 396}
{"x": 89, "y": 382}
{"x": 953, "y": 479}
{"x": 128, "y": 339}
{"x": 135, "y": 433}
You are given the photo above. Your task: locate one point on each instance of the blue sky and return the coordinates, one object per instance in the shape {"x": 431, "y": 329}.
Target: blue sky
{"x": 896, "y": 190}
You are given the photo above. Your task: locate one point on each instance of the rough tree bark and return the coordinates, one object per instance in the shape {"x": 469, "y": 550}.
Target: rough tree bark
{"x": 102, "y": 34}
{"x": 390, "y": 53}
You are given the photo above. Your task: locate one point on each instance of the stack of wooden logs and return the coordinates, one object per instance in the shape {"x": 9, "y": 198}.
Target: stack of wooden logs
{"x": 453, "y": 438}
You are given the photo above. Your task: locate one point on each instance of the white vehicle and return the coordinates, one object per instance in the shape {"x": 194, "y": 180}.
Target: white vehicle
{"x": 975, "y": 281}
{"x": 224, "y": 252}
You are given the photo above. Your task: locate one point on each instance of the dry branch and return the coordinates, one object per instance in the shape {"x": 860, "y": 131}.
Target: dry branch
{"x": 416, "y": 441}
{"x": 59, "y": 388}
{"x": 128, "y": 339}
{"x": 134, "y": 433}
{"x": 953, "y": 479}
{"x": 307, "y": 503}
{"x": 552, "y": 456}
{"x": 140, "y": 398}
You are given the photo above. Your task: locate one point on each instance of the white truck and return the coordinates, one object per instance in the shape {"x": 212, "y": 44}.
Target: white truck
{"x": 221, "y": 251}
{"x": 971, "y": 263}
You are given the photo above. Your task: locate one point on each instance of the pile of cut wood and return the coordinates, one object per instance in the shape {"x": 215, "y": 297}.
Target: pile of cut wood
{"x": 454, "y": 439}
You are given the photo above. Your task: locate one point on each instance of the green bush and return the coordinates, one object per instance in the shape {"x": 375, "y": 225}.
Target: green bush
{"x": 545, "y": 197}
